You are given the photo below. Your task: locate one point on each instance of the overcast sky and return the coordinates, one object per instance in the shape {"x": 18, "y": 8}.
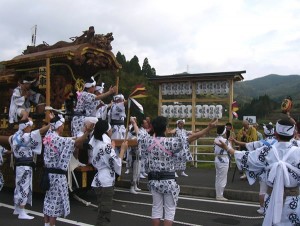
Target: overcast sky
{"x": 198, "y": 36}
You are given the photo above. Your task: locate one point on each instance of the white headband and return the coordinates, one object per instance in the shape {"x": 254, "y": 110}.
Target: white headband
{"x": 223, "y": 132}
{"x": 267, "y": 131}
{"x": 180, "y": 120}
{"x": 25, "y": 81}
{"x": 58, "y": 123}
{"x": 285, "y": 130}
{"x": 93, "y": 120}
{"x": 117, "y": 97}
{"x": 23, "y": 126}
{"x": 90, "y": 84}
{"x": 100, "y": 88}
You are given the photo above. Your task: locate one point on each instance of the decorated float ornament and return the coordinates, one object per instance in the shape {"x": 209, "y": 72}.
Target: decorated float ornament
{"x": 286, "y": 105}
{"x": 285, "y": 130}
{"x": 90, "y": 83}
{"x": 118, "y": 97}
{"x": 24, "y": 125}
{"x": 100, "y": 89}
{"x": 57, "y": 121}
{"x": 269, "y": 129}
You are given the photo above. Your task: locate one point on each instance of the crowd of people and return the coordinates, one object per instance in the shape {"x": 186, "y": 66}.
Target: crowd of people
{"x": 273, "y": 159}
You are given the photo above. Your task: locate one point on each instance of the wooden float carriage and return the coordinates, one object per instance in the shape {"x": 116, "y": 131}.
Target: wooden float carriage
{"x": 62, "y": 69}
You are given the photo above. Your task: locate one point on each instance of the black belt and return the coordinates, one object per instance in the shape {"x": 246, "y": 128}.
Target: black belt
{"x": 117, "y": 122}
{"x": 24, "y": 161}
{"x": 77, "y": 113}
{"x": 55, "y": 171}
{"x": 161, "y": 175}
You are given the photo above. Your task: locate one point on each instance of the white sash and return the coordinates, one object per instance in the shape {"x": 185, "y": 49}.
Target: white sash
{"x": 279, "y": 176}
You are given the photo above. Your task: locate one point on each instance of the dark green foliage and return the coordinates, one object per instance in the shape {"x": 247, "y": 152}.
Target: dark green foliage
{"x": 261, "y": 107}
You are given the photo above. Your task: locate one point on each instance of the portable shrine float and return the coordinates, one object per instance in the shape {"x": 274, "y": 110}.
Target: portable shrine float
{"x": 61, "y": 69}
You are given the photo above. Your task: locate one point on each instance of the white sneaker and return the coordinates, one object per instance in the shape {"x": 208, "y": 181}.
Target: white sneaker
{"x": 16, "y": 210}
{"x": 261, "y": 210}
{"x": 176, "y": 174}
{"x": 142, "y": 176}
{"x": 243, "y": 177}
{"x": 127, "y": 171}
{"x": 184, "y": 174}
{"x": 132, "y": 190}
{"x": 24, "y": 216}
{"x": 136, "y": 188}
{"x": 221, "y": 199}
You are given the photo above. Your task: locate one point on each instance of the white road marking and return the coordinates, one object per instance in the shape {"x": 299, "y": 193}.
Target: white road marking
{"x": 42, "y": 215}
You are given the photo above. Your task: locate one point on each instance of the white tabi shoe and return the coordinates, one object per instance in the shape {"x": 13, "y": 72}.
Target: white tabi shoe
{"x": 132, "y": 190}
{"x": 261, "y": 210}
{"x": 184, "y": 174}
{"x": 136, "y": 188}
{"x": 142, "y": 176}
{"x": 145, "y": 174}
{"x": 16, "y": 210}
{"x": 127, "y": 171}
{"x": 176, "y": 175}
{"x": 24, "y": 216}
{"x": 221, "y": 199}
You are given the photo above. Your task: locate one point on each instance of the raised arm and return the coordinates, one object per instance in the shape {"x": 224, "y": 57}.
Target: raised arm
{"x": 111, "y": 91}
{"x": 203, "y": 132}
{"x": 134, "y": 124}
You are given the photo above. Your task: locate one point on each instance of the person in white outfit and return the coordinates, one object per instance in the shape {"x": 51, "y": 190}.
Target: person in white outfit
{"x": 221, "y": 163}
{"x": 281, "y": 162}
{"x": 270, "y": 139}
{"x": 25, "y": 143}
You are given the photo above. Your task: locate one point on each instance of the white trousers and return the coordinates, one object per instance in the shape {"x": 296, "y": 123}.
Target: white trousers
{"x": 221, "y": 178}
{"x": 161, "y": 201}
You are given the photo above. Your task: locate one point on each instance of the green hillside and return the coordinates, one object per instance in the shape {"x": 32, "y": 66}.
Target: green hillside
{"x": 277, "y": 87}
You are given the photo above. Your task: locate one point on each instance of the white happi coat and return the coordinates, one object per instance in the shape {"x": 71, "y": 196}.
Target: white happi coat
{"x": 106, "y": 161}
{"x": 19, "y": 101}
{"x": 117, "y": 112}
{"x": 25, "y": 145}
{"x": 184, "y": 156}
{"x": 160, "y": 158}
{"x": 143, "y": 152}
{"x": 57, "y": 154}
{"x": 86, "y": 107}
{"x": 2, "y": 151}
{"x": 221, "y": 165}
{"x": 282, "y": 164}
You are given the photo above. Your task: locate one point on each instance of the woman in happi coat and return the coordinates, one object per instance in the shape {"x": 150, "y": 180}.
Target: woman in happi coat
{"x": 281, "y": 161}
{"x": 161, "y": 176}
{"x": 86, "y": 106}
{"x": 25, "y": 144}
{"x": 87, "y": 103}
{"x": 57, "y": 154}
{"x": 108, "y": 163}
{"x": 182, "y": 157}
{"x": 221, "y": 164}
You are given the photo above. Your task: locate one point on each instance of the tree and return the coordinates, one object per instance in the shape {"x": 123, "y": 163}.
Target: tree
{"x": 134, "y": 66}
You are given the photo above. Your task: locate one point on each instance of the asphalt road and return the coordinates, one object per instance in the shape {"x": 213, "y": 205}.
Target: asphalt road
{"x": 135, "y": 210}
